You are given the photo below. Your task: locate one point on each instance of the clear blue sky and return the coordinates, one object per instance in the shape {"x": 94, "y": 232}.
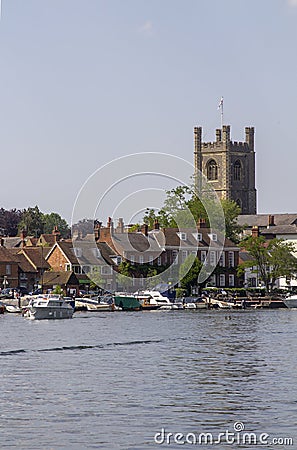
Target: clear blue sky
{"x": 83, "y": 82}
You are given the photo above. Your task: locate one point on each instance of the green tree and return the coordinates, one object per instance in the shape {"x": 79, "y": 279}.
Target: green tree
{"x": 273, "y": 259}
{"x": 32, "y": 221}
{"x": 96, "y": 279}
{"x": 182, "y": 207}
{"x": 189, "y": 272}
{"x": 53, "y": 219}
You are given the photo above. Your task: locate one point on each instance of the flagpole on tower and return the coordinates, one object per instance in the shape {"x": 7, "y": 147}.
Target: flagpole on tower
{"x": 221, "y": 107}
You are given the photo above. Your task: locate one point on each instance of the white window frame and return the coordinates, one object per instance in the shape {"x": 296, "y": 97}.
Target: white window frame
{"x": 141, "y": 260}
{"x": 231, "y": 280}
{"x": 184, "y": 255}
{"x": 174, "y": 257}
{"x": 222, "y": 260}
{"x": 203, "y": 256}
{"x": 212, "y": 258}
{"x": 222, "y": 280}
{"x": 231, "y": 259}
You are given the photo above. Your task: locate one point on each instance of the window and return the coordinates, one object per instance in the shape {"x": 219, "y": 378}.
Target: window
{"x": 119, "y": 260}
{"x": 222, "y": 260}
{"x": 159, "y": 261}
{"x": 151, "y": 260}
{"x": 231, "y": 280}
{"x": 106, "y": 270}
{"x": 141, "y": 260}
{"x": 86, "y": 269}
{"x": 213, "y": 237}
{"x": 237, "y": 171}
{"x": 231, "y": 259}
{"x": 222, "y": 280}
{"x": 132, "y": 259}
{"x": 77, "y": 251}
{"x": 96, "y": 252}
{"x": 8, "y": 269}
{"x": 183, "y": 236}
{"x": 212, "y": 258}
{"x": 67, "y": 267}
{"x": 203, "y": 256}
{"x": 212, "y": 170}
{"x": 77, "y": 269}
{"x": 197, "y": 236}
{"x": 174, "y": 257}
{"x": 184, "y": 255}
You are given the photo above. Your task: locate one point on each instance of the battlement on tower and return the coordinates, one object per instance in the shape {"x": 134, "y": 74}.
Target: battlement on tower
{"x": 229, "y": 166}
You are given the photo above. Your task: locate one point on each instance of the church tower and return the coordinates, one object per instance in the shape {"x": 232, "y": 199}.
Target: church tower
{"x": 228, "y": 166}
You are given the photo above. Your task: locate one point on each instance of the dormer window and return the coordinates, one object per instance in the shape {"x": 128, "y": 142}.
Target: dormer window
{"x": 77, "y": 251}
{"x": 182, "y": 236}
{"x": 213, "y": 237}
{"x": 96, "y": 252}
{"x": 198, "y": 236}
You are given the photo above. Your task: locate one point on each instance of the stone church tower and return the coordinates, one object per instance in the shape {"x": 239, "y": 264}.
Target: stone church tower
{"x": 228, "y": 166}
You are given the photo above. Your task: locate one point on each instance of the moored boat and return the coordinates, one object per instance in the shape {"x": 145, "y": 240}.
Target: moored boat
{"x": 127, "y": 302}
{"x": 291, "y": 302}
{"x": 48, "y": 307}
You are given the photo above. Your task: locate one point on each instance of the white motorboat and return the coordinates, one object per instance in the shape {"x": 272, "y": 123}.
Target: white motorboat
{"x": 13, "y": 309}
{"x": 291, "y": 302}
{"x": 48, "y": 307}
{"x": 155, "y": 300}
{"x": 100, "y": 307}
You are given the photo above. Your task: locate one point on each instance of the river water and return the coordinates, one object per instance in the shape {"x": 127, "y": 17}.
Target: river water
{"x": 126, "y": 380}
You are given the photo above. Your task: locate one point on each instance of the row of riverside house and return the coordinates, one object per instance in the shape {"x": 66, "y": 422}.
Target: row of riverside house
{"x": 49, "y": 261}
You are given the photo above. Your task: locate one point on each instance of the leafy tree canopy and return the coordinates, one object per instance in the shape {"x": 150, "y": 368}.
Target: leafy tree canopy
{"x": 53, "y": 219}
{"x": 273, "y": 259}
{"x": 182, "y": 206}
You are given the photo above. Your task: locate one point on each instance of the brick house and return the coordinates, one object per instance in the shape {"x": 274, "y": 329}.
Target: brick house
{"x": 166, "y": 247}
{"x": 83, "y": 259}
{"x": 8, "y": 269}
{"x": 68, "y": 281}
{"x": 28, "y": 275}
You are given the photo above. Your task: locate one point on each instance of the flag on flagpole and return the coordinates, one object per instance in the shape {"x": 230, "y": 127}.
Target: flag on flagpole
{"x": 221, "y": 103}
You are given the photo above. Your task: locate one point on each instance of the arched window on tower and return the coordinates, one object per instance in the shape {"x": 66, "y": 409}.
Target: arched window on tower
{"x": 212, "y": 170}
{"x": 237, "y": 171}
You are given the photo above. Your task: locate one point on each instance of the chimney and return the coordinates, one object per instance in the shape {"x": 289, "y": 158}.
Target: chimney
{"x": 270, "y": 221}
{"x": 255, "y": 231}
{"x": 110, "y": 225}
{"x": 97, "y": 227}
{"x": 23, "y": 235}
{"x": 56, "y": 233}
{"x": 201, "y": 223}
{"x": 144, "y": 229}
{"x": 156, "y": 225}
{"x": 120, "y": 227}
